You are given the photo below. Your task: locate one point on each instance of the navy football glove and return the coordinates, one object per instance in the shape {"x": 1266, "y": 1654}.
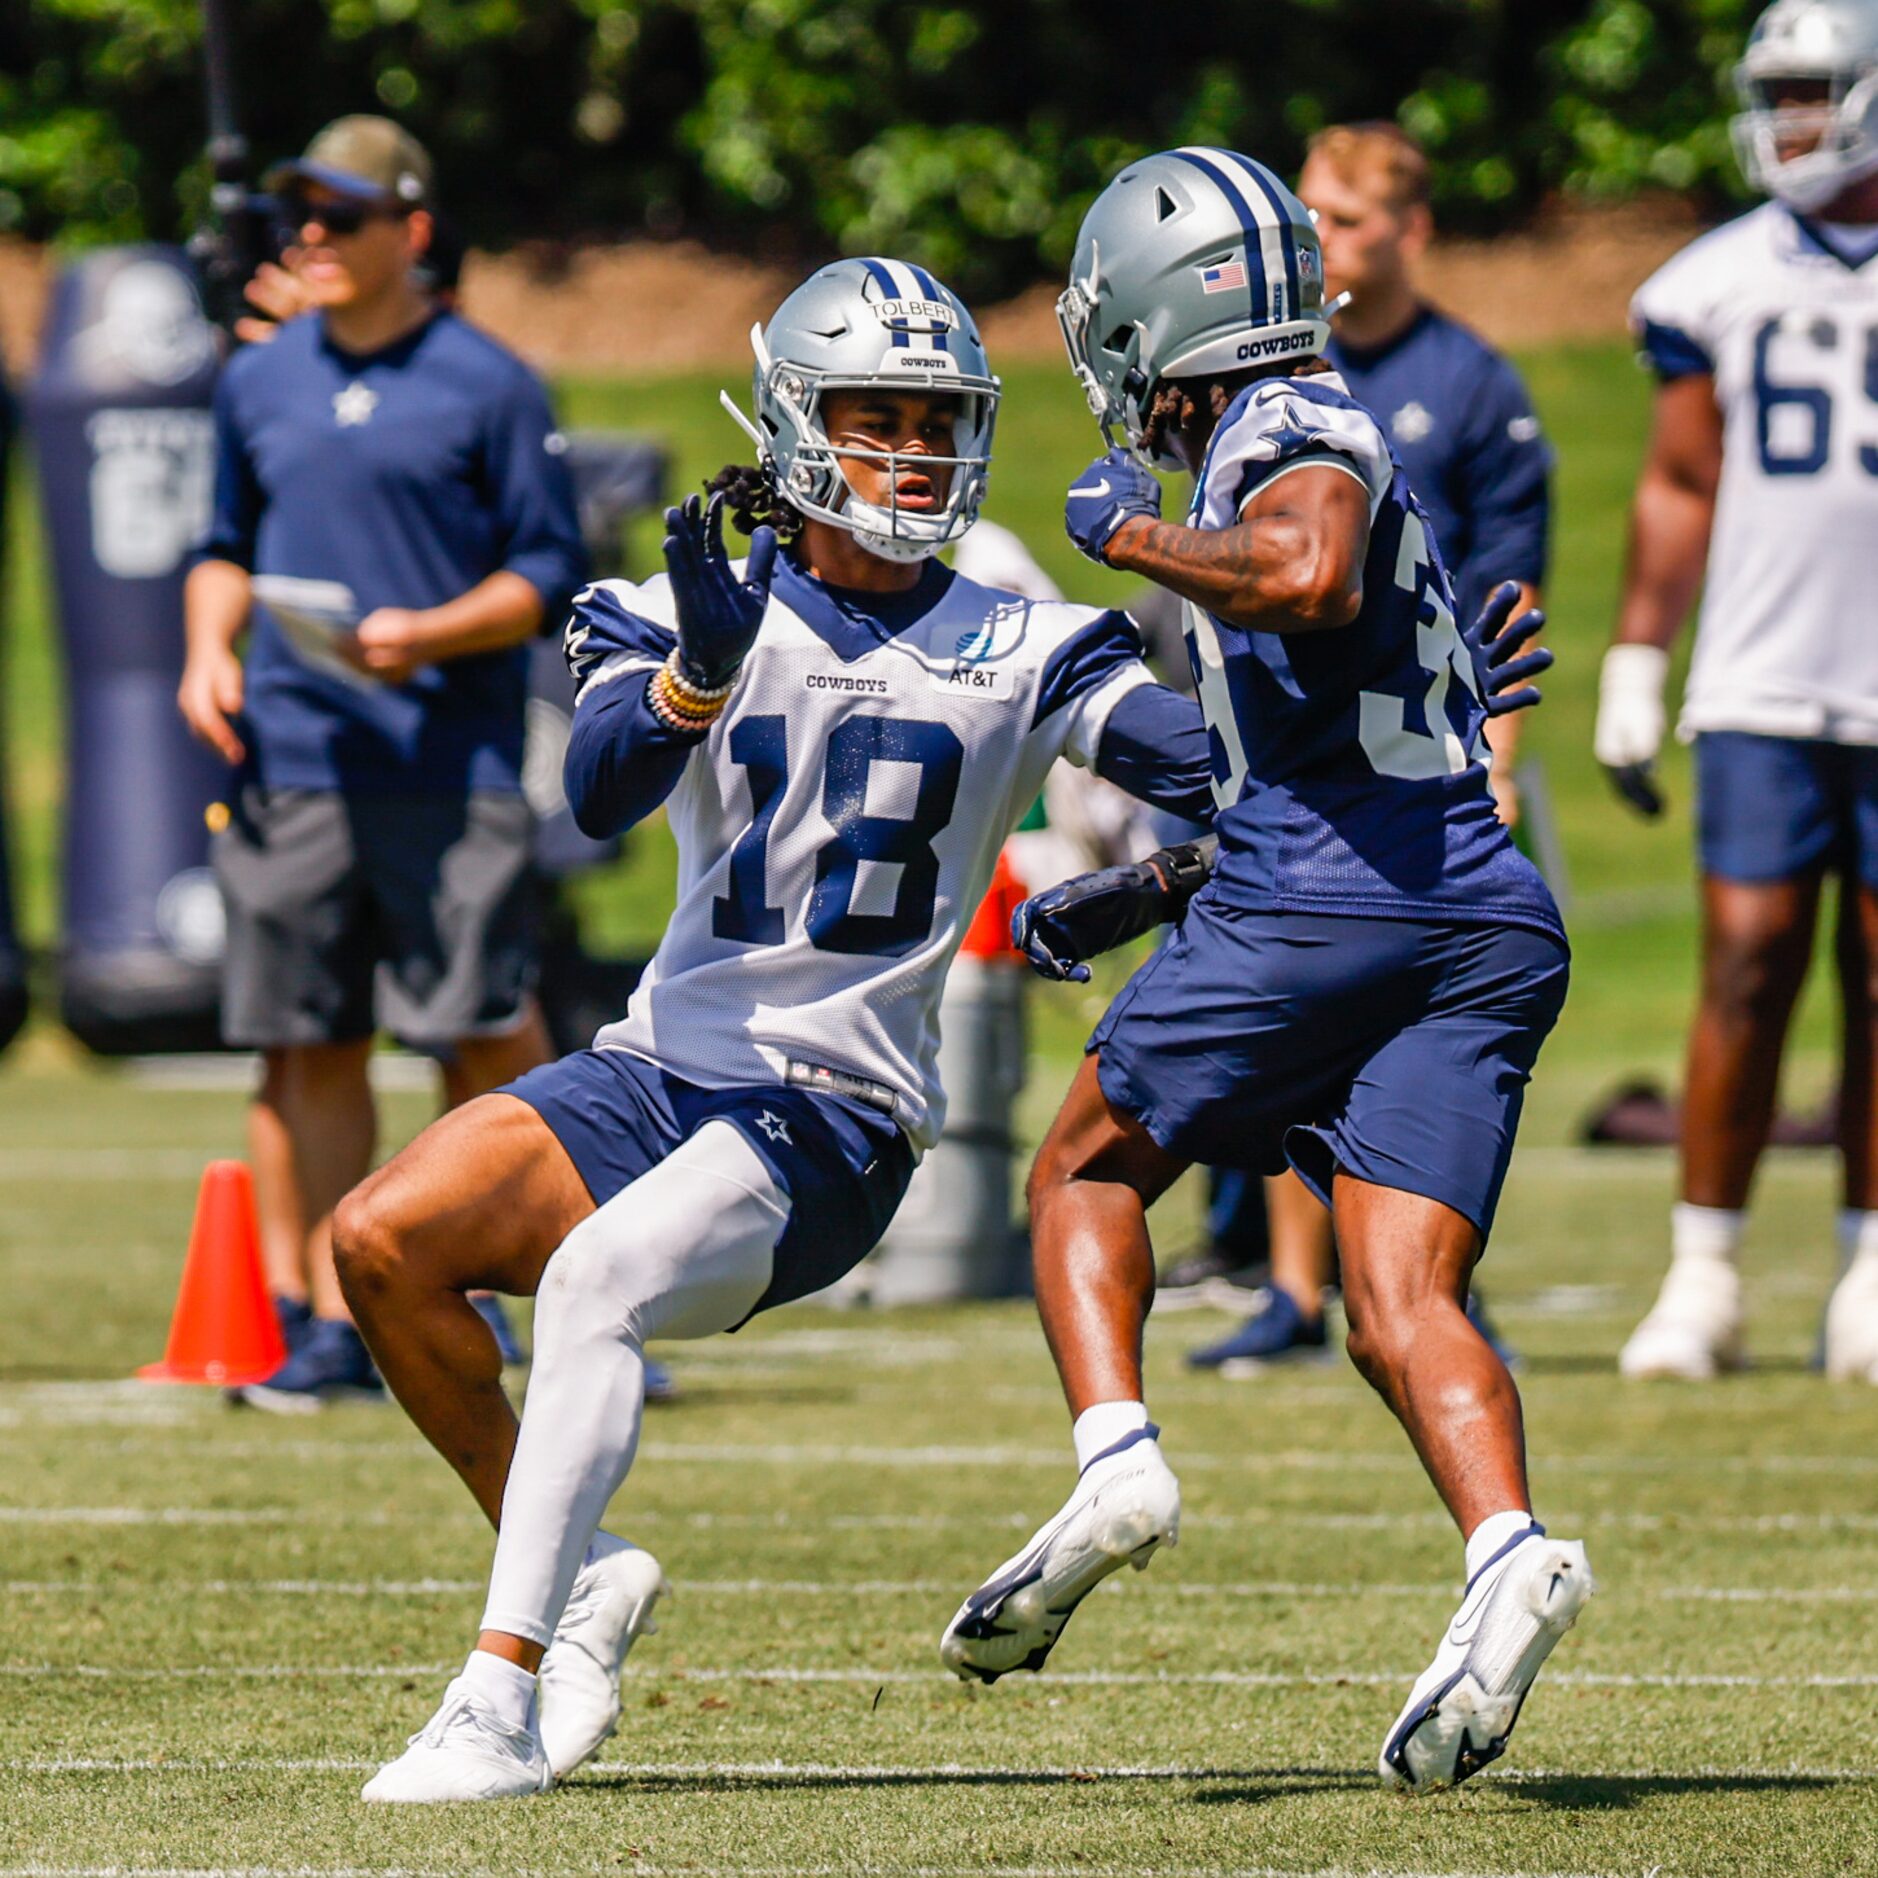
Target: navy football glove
{"x": 718, "y": 614}
{"x": 1502, "y": 677}
{"x": 1058, "y": 929}
{"x": 1112, "y": 490}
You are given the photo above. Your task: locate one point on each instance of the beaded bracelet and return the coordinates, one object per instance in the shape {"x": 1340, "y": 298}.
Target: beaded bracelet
{"x": 675, "y": 712}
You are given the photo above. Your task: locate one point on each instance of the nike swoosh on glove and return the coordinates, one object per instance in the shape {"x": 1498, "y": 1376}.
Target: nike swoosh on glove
{"x": 1114, "y": 489}
{"x": 718, "y": 614}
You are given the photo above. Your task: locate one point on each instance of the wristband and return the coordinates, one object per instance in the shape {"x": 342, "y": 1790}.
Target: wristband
{"x": 1184, "y": 869}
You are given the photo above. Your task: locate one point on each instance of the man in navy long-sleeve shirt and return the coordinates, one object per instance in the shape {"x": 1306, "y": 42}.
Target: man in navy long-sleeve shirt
{"x": 1458, "y": 417}
{"x": 375, "y": 858}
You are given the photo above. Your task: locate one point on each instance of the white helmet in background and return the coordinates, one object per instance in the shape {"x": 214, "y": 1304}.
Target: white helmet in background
{"x": 1833, "y": 43}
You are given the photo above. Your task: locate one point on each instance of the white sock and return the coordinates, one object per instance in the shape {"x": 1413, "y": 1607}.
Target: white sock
{"x": 1858, "y": 1237}
{"x": 1098, "y": 1429}
{"x": 1706, "y": 1232}
{"x": 1492, "y": 1533}
{"x": 506, "y": 1687}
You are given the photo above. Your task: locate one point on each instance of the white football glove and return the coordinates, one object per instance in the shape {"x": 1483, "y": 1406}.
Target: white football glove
{"x": 1632, "y": 721}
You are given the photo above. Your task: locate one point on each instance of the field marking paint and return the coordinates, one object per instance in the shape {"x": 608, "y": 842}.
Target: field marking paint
{"x": 866, "y": 1588}
{"x": 862, "y": 1868}
{"x": 817, "y": 1772}
{"x": 1694, "y": 1524}
{"x": 870, "y": 1678}
{"x": 103, "y": 1163}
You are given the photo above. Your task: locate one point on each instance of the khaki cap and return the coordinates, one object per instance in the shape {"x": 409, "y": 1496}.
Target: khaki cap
{"x": 369, "y": 157}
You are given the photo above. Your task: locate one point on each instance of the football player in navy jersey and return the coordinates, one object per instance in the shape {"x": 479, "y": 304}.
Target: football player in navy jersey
{"x": 1362, "y": 987}
{"x": 1463, "y": 429}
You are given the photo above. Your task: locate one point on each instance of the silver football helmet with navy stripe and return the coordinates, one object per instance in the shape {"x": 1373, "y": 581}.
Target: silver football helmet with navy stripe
{"x": 1192, "y": 263}
{"x": 866, "y": 324}
{"x": 1833, "y": 43}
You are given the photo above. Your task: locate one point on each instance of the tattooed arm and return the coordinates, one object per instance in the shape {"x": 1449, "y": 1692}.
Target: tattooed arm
{"x": 1292, "y": 563}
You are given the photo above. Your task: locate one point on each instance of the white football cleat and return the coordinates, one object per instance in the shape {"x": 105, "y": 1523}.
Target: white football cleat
{"x": 1852, "y": 1324}
{"x": 1126, "y": 1503}
{"x": 608, "y": 1610}
{"x": 1461, "y": 1711}
{"x": 1693, "y": 1331}
{"x": 464, "y": 1752}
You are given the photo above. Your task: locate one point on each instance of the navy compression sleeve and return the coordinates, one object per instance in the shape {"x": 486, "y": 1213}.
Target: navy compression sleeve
{"x": 1157, "y": 747}
{"x": 621, "y": 761}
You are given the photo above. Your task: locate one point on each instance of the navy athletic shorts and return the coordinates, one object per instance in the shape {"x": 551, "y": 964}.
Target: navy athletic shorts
{"x": 1774, "y": 808}
{"x": 1396, "y": 1050}
{"x": 843, "y": 1164}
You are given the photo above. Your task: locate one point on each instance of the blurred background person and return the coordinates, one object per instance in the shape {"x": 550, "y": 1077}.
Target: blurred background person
{"x": 1760, "y": 475}
{"x": 1462, "y": 424}
{"x": 375, "y": 854}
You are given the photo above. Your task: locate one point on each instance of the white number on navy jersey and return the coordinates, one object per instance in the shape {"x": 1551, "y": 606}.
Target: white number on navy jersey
{"x": 1393, "y": 747}
{"x": 1209, "y": 670}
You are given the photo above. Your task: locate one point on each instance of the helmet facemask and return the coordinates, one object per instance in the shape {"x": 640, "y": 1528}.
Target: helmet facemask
{"x": 1845, "y": 121}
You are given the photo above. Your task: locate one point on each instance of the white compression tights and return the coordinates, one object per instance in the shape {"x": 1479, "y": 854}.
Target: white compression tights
{"x": 684, "y": 1251}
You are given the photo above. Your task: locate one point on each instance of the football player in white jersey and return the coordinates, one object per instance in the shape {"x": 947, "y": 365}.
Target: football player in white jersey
{"x": 842, "y": 732}
{"x": 1762, "y": 476}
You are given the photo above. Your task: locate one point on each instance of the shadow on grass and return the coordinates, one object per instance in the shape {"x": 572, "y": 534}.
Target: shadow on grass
{"x": 1216, "y": 1786}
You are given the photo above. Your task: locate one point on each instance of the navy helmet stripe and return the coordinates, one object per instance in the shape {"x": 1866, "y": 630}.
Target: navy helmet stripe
{"x": 1248, "y": 223}
{"x": 885, "y": 282}
{"x": 1287, "y": 235}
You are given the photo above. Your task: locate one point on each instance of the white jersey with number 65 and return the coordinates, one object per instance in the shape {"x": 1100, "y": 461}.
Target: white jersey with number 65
{"x": 1783, "y": 313}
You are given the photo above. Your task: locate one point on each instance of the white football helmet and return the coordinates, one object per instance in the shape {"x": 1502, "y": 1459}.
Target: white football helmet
{"x": 1834, "y": 42}
{"x": 852, "y": 325}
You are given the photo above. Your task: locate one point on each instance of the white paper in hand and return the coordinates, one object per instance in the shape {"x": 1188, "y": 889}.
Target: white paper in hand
{"x": 315, "y": 615}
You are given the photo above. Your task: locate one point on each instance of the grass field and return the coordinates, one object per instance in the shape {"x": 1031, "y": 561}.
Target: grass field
{"x": 214, "y": 1625}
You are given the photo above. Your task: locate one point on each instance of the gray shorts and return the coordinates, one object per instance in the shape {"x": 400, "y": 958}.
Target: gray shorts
{"x": 426, "y": 901}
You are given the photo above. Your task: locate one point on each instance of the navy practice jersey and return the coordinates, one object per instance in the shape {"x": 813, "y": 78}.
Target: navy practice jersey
{"x": 410, "y": 474}
{"x": 1463, "y": 429}
{"x": 1349, "y": 765}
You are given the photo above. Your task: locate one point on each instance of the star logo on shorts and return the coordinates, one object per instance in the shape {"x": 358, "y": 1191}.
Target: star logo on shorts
{"x": 354, "y": 405}
{"x": 775, "y": 1128}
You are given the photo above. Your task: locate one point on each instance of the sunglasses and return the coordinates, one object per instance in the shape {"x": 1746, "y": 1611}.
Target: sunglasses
{"x": 340, "y": 215}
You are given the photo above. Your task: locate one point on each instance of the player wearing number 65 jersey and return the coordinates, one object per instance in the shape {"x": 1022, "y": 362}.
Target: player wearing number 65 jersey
{"x": 1761, "y": 490}
{"x": 843, "y": 732}
{"x": 1362, "y": 987}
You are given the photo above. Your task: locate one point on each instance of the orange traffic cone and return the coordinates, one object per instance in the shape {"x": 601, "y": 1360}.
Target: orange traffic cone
{"x": 224, "y": 1330}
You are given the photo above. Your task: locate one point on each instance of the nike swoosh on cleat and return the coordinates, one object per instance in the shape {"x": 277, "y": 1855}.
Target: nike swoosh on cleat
{"x": 1090, "y": 495}
{"x": 1466, "y": 1621}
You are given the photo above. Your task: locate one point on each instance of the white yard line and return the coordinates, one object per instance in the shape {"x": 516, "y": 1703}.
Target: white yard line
{"x": 794, "y": 1524}
{"x": 858, "y": 1868}
{"x": 1297, "y": 1589}
{"x": 871, "y": 1678}
{"x": 103, "y": 1163}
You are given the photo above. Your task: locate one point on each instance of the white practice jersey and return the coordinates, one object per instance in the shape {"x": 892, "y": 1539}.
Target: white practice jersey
{"x": 1785, "y": 317}
{"x": 838, "y": 827}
